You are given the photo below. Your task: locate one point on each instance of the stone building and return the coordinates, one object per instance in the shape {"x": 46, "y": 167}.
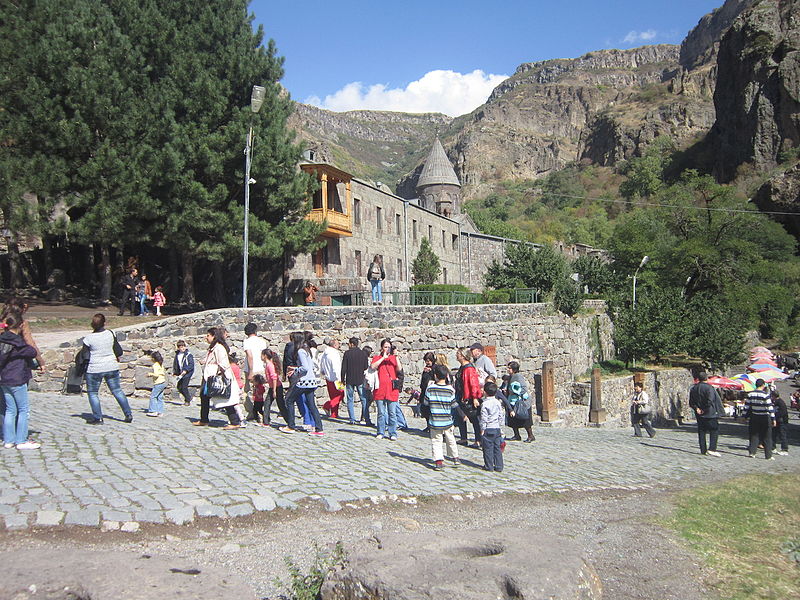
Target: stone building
{"x": 364, "y": 219}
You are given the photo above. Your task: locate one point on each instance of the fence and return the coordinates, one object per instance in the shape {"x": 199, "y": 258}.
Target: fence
{"x": 433, "y": 298}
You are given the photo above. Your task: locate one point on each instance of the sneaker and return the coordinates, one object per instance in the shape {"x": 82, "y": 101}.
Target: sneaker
{"x": 285, "y": 429}
{"x": 456, "y": 462}
{"x": 29, "y": 445}
{"x": 152, "y": 414}
{"x": 770, "y": 458}
{"x": 200, "y": 423}
{"x": 231, "y": 426}
{"x": 393, "y": 438}
{"x": 94, "y": 422}
{"x": 782, "y": 453}
{"x": 438, "y": 465}
{"x": 379, "y": 436}
{"x": 316, "y": 433}
{"x": 713, "y": 453}
{"x": 751, "y": 456}
{"x": 8, "y": 446}
{"x": 129, "y": 418}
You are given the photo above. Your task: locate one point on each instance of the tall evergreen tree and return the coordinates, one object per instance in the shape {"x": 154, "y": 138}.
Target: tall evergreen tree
{"x": 426, "y": 267}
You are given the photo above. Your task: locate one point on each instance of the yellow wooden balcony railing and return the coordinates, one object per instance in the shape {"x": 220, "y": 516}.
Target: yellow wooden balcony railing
{"x": 339, "y": 224}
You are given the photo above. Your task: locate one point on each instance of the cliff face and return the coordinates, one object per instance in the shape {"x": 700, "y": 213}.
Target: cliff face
{"x": 757, "y": 97}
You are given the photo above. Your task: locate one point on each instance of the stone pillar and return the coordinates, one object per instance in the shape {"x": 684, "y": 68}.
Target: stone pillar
{"x": 549, "y": 410}
{"x": 639, "y": 377}
{"x": 597, "y": 414}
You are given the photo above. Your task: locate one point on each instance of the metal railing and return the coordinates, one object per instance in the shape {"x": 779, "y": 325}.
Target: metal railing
{"x": 440, "y": 298}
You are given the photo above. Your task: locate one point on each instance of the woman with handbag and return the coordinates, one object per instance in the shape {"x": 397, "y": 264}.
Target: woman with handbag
{"x": 469, "y": 394}
{"x": 104, "y": 350}
{"x": 387, "y": 366}
{"x": 219, "y": 383}
{"x": 520, "y": 407}
{"x": 641, "y": 411}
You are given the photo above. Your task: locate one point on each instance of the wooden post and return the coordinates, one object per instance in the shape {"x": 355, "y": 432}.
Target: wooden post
{"x": 549, "y": 410}
{"x": 491, "y": 352}
{"x": 597, "y": 414}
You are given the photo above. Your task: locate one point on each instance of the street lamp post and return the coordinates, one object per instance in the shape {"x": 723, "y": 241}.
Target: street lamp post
{"x": 256, "y": 100}
{"x": 645, "y": 260}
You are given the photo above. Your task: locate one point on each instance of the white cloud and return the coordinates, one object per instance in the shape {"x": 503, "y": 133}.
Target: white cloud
{"x": 635, "y": 37}
{"x": 441, "y": 91}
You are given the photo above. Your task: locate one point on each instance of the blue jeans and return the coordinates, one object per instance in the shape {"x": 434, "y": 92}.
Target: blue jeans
{"x": 310, "y": 403}
{"x": 401, "y": 418}
{"x": 386, "y": 412}
{"x": 157, "y": 398}
{"x": 362, "y": 395}
{"x": 18, "y": 410}
{"x": 93, "y": 381}
{"x": 142, "y": 306}
{"x": 377, "y": 291}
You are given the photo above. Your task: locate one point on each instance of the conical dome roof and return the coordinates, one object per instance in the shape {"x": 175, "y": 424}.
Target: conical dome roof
{"x": 437, "y": 169}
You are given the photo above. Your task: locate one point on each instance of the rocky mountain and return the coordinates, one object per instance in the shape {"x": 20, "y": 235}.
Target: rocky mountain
{"x": 603, "y": 107}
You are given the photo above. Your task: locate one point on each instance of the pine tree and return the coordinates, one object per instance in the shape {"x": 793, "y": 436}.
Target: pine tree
{"x": 426, "y": 267}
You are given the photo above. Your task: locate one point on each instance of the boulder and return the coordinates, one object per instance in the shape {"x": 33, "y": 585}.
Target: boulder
{"x": 56, "y": 574}
{"x": 514, "y": 563}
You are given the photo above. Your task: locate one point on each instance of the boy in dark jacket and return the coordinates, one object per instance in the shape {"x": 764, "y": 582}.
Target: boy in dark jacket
{"x": 183, "y": 369}
{"x": 705, "y": 401}
{"x": 15, "y": 372}
{"x": 780, "y": 431}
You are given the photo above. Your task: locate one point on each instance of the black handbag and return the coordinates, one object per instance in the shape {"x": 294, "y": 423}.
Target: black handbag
{"x": 218, "y": 386}
{"x": 522, "y": 409}
{"x": 82, "y": 361}
{"x": 116, "y": 347}
{"x": 397, "y": 384}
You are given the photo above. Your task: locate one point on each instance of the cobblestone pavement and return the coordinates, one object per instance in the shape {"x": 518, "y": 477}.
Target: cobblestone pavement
{"x": 158, "y": 470}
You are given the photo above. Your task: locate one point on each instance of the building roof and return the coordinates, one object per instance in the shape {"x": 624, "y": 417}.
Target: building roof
{"x": 437, "y": 169}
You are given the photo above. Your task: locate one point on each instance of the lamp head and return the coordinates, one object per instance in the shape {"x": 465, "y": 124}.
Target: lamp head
{"x": 645, "y": 260}
{"x": 257, "y": 98}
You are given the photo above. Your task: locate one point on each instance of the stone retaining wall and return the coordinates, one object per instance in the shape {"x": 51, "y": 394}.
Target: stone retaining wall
{"x": 668, "y": 390}
{"x": 528, "y": 333}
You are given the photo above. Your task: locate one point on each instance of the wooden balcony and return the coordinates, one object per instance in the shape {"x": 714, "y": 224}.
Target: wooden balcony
{"x": 332, "y": 201}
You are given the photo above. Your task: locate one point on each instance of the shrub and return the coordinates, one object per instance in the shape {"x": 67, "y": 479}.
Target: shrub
{"x": 567, "y": 297}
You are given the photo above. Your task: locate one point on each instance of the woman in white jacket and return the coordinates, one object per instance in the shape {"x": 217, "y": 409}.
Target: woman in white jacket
{"x": 217, "y": 360}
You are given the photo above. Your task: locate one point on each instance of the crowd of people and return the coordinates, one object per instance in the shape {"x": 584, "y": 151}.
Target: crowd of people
{"x": 136, "y": 291}
{"x": 469, "y": 395}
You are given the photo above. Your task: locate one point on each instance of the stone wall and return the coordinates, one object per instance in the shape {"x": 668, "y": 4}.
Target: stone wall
{"x": 528, "y": 333}
{"x": 668, "y": 390}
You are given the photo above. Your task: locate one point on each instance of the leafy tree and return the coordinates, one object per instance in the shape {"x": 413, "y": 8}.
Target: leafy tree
{"x": 526, "y": 266}
{"x": 646, "y": 173}
{"x": 567, "y": 296}
{"x": 426, "y": 267}
{"x": 713, "y": 332}
{"x": 595, "y": 273}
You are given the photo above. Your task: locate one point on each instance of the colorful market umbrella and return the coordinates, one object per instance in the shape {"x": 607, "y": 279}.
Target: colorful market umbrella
{"x": 725, "y": 383}
{"x": 762, "y": 367}
{"x": 759, "y": 349}
{"x": 762, "y": 358}
{"x": 748, "y": 385}
{"x": 770, "y": 376}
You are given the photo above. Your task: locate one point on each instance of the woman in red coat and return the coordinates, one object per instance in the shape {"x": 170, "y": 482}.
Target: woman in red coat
{"x": 388, "y": 366}
{"x": 469, "y": 395}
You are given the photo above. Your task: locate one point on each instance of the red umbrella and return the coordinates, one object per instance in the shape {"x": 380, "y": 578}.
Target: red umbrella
{"x": 724, "y": 382}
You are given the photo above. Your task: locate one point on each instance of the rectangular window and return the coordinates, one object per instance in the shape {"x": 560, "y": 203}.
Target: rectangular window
{"x": 397, "y": 224}
{"x": 430, "y": 233}
{"x": 414, "y": 229}
{"x": 358, "y": 263}
{"x": 455, "y": 241}
{"x": 379, "y": 218}
{"x": 400, "y": 274}
{"x": 444, "y": 274}
{"x": 356, "y": 211}
{"x": 444, "y": 239}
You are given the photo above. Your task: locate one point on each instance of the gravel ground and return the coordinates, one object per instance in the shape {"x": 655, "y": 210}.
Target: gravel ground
{"x": 617, "y": 530}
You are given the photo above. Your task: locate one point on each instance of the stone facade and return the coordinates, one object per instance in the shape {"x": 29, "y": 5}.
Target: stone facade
{"x": 528, "y": 333}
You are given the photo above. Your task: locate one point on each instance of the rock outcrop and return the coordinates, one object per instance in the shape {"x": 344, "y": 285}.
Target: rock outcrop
{"x": 757, "y": 97}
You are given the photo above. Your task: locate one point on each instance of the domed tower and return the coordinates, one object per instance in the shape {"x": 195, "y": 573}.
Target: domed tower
{"x": 438, "y": 187}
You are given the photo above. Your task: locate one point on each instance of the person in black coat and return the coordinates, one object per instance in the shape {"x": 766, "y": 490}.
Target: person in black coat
{"x": 707, "y": 405}
{"x": 128, "y": 288}
{"x": 780, "y": 431}
{"x": 183, "y": 369}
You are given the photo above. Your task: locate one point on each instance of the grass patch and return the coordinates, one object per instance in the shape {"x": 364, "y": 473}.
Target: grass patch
{"x": 747, "y": 531}
{"x": 306, "y": 586}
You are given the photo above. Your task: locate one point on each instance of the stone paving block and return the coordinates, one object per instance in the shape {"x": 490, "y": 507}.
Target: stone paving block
{"x": 83, "y": 517}
{"x": 240, "y": 510}
{"x": 180, "y": 516}
{"x": 116, "y": 515}
{"x": 331, "y": 504}
{"x": 285, "y": 503}
{"x": 16, "y": 521}
{"x": 263, "y": 502}
{"x": 49, "y": 517}
{"x": 130, "y": 527}
{"x": 150, "y": 516}
{"x": 209, "y": 510}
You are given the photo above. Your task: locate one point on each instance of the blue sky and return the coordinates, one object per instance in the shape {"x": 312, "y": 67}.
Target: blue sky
{"x": 443, "y": 55}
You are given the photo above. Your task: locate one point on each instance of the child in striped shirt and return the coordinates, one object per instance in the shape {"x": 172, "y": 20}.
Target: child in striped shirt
{"x": 441, "y": 401}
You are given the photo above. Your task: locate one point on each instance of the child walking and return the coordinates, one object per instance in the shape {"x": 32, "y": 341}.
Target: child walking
{"x": 15, "y": 373}
{"x": 159, "y": 299}
{"x": 492, "y": 420}
{"x": 159, "y": 376}
{"x": 442, "y": 402}
{"x": 259, "y": 389}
